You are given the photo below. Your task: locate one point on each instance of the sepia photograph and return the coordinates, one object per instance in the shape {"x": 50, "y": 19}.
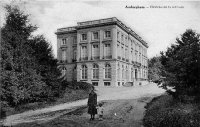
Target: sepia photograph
{"x": 100, "y": 63}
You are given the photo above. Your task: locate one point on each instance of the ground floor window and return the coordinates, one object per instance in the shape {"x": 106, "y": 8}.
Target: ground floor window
{"x": 122, "y": 83}
{"x": 95, "y": 83}
{"x": 106, "y": 83}
{"x": 84, "y": 72}
{"x": 136, "y": 74}
{"x": 95, "y": 71}
{"x": 107, "y": 71}
{"x": 118, "y": 83}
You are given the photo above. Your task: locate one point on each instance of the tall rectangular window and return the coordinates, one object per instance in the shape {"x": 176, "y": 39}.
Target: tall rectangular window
{"x": 84, "y": 51}
{"x": 118, "y": 73}
{"x": 122, "y": 52}
{"x": 95, "y": 71}
{"x": 95, "y": 51}
{"x": 74, "y": 53}
{"x": 140, "y": 49}
{"x": 136, "y": 56}
{"x": 133, "y": 45}
{"x": 126, "y": 53}
{"x": 118, "y": 35}
{"x": 131, "y": 73}
{"x": 118, "y": 50}
{"x": 126, "y": 40}
{"x": 107, "y": 50}
{"x": 83, "y": 37}
{"x": 127, "y": 73}
{"x": 118, "y": 83}
{"x": 64, "y": 55}
{"x": 74, "y": 73}
{"x": 84, "y": 72}
{"x": 107, "y": 71}
{"x": 123, "y": 72}
{"x": 131, "y": 55}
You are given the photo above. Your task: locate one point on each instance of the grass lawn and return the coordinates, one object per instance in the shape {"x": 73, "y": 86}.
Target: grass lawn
{"x": 69, "y": 96}
{"x": 164, "y": 111}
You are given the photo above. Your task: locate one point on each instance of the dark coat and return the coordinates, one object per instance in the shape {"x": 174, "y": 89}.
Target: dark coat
{"x": 92, "y": 103}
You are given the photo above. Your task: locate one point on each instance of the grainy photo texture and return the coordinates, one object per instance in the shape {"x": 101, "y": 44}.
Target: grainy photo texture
{"x": 100, "y": 63}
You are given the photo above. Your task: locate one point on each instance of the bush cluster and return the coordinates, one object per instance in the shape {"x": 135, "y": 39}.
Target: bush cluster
{"x": 170, "y": 117}
{"x": 169, "y": 113}
{"x": 77, "y": 85}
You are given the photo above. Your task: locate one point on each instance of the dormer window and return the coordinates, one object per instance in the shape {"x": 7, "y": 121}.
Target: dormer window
{"x": 84, "y": 37}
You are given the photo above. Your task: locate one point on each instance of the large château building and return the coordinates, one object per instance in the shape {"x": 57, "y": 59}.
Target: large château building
{"x": 102, "y": 52}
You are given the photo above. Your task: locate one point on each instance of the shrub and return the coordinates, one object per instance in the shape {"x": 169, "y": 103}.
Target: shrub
{"x": 164, "y": 111}
{"x": 77, "y": 85}
{"x": 85, "y": 86}
{"x": 172, "y": 118}
{"x": 72, "y": 95}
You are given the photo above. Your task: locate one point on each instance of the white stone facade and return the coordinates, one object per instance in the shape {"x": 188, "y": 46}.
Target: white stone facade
{"x": 102, "y": 52}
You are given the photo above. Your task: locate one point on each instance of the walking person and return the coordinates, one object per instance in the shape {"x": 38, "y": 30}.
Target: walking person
{"x": 92, "y": 103}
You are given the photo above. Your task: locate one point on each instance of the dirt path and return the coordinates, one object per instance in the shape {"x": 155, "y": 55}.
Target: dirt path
{"x": 118, "y": 113}
{"x": 104, "y": 94}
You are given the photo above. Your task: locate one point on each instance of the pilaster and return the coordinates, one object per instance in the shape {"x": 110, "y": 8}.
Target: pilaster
{"x": 89, "y": 36}
{"x": 78, "y": 47}
{"x": 101, "y": 44}
{"x": 114, "y": 43}
{"x": 58, "y": 49}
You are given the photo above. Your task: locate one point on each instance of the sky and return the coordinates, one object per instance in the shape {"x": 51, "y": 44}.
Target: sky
{"x": 159, "y": 27}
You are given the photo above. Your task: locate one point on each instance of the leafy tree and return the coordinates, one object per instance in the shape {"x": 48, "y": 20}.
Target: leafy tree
{"x": 29, "y": 71}
{"x": 20, "y": 82}
{"x": 155, "y": 69}
{"x": 181, "y": 64}
{"x": 47, "y": 65}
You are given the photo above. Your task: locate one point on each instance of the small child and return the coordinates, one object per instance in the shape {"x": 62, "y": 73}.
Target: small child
{"x": 100, "y": 110}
